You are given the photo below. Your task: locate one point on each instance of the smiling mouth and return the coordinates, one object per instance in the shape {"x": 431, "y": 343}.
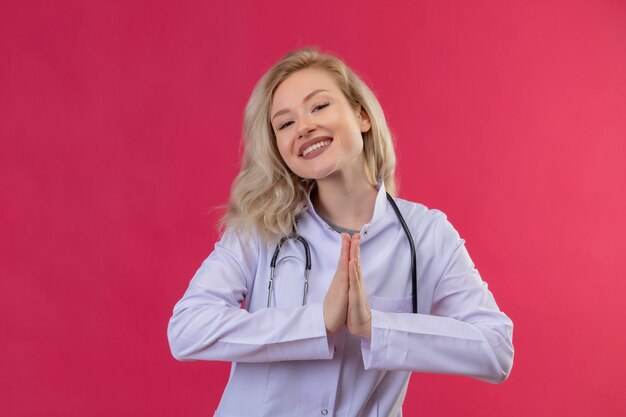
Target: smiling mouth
{"x": 316, "y": 146}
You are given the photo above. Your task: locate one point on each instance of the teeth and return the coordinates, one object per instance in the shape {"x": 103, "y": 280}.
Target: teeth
{"x": 314, "y": 147}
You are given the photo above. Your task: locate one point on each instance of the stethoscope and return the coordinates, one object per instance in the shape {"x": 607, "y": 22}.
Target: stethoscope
{"x": 307, "y": 251}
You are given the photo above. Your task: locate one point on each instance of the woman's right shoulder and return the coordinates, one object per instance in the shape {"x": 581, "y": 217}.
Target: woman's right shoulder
{"x": 234, "y": 249}
{"x": 239, "y": 241}
{"x": 246, "y": 245}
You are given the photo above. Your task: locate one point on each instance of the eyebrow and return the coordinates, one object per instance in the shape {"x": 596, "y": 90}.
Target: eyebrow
{"x": 308, "y": 96}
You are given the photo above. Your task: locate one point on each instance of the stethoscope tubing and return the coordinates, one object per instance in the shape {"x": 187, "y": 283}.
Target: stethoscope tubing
{"x": 307, "y": 252}
{"x": 307, "y": 269}
{"x": 413, "y": 254}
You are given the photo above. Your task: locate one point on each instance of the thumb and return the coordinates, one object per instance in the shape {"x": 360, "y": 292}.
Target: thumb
{"x": 344, "y": 257}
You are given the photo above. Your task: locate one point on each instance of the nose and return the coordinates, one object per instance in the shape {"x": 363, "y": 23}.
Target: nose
{"x": 305, "y": 127}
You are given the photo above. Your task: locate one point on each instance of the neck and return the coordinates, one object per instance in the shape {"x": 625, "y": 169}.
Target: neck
{"x": 345, "y": 202}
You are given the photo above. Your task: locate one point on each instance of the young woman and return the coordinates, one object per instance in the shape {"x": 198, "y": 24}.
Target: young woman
{"x": 324, "y": 291}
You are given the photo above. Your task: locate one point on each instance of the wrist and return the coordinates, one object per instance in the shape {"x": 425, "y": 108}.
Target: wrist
{"x": 367, "y": 333}
{"x": 364, "y": 331}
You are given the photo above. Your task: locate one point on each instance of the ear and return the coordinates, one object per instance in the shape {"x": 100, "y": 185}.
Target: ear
{"x": 364, "y": 120}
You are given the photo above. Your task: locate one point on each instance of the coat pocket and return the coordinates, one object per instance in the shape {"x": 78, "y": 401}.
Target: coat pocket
{"x": 391, "y": 305}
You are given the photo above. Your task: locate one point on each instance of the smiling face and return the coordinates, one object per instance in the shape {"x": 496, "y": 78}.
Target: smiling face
{"x": 318, "y": 132}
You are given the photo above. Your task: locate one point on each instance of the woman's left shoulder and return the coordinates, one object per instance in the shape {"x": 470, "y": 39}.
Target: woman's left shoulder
{"x": 424, "y": 221}
{"x": 419, "y": 214}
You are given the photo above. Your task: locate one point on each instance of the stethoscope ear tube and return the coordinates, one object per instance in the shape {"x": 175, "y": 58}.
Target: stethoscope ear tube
{"x": 307, "y": 268}
{"x": 413, "y": 255}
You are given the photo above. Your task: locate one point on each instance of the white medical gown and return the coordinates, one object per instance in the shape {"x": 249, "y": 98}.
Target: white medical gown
{"x": 284, "y": 364}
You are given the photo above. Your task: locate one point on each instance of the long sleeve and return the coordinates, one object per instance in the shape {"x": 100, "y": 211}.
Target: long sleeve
{"x": 465, "y": 332}
{"x": 208, "y": 323}
{"x": 223, "y": 316}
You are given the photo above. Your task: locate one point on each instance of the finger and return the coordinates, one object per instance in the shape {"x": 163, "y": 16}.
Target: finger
{"x": 356, "y": 249}
{"x": 354, "y": 280}
{"x": 345, "y": 249}
{"x": 354, "y": 243}
{"x": 355, "y": 276}
{"x": 353, "y": 268}
{"x": 358, "y": 259}
{"x": 357, "y": 294}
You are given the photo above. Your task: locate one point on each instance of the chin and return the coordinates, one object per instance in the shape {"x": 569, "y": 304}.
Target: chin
{"x": 317, "y": 174}
{"x": 312, "y": 173}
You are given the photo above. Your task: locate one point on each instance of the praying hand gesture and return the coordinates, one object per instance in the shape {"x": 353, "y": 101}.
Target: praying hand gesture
{"x": 346, "y": 300}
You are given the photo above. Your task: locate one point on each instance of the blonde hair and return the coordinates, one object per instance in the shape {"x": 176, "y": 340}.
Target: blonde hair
{"x": 266, "y": 196}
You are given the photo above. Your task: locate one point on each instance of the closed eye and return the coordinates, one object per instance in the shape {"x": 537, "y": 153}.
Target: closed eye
{"x": 284, "y": 125}
{"x": 320, "y": 106}
{"x": 315, "y": 108}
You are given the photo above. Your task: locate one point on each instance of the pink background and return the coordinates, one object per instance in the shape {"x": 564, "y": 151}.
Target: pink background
{"x": 120, "y": 124}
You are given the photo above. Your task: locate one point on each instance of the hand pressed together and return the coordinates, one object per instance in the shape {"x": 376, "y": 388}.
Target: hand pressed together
{"x": 346, "y": 301}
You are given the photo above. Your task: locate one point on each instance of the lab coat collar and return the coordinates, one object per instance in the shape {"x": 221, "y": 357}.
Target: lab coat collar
{"x": 379, "y": 206}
